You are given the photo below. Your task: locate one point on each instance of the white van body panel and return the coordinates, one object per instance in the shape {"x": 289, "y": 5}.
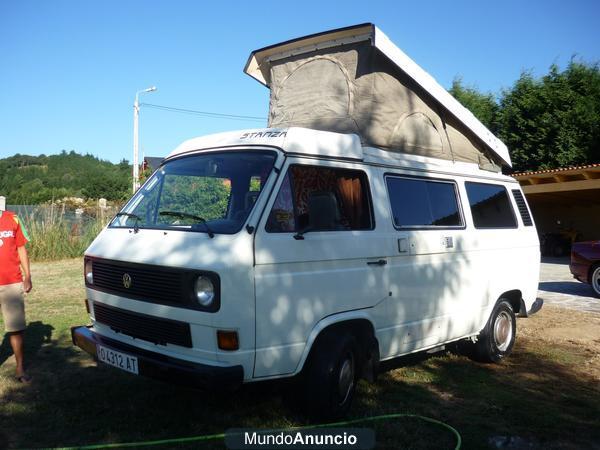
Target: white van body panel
{"x": 418, "y": 288}
{"x": 299, "y": 282}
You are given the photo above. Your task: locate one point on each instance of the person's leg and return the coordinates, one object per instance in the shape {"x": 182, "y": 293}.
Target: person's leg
{"x": 13, "y": 310}
{"x": 16, "y": 342}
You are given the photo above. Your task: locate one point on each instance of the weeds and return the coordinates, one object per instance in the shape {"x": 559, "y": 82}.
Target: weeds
{"x": 53, "y": 235}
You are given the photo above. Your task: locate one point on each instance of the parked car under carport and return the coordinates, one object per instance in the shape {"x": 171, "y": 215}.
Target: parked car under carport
{"x": 585, "y": 263}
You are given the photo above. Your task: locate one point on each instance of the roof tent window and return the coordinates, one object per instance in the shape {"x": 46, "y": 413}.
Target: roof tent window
{"x": 490, "y": 206}
{"x": 419, "y": 203}
{"x": 322, "y": 83}
{"x": 321, "y": 199}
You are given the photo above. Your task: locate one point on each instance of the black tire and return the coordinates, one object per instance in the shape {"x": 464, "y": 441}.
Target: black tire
{"x": 331, "y": 376}
{"x": 595, "y": 279}
{"x": 496, "y": 340}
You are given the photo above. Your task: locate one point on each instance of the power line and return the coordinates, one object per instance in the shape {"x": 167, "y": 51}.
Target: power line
{"x": 205, "y": 113}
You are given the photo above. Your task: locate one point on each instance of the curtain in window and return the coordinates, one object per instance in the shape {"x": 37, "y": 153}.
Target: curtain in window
{"x": 350, "y": 192}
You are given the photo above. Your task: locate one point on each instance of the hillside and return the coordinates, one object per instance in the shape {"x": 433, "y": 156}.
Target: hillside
{"x": 37, "y": 179}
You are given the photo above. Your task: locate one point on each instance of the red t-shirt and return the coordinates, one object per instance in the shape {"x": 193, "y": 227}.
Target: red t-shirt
{"x": 11, "y": 237}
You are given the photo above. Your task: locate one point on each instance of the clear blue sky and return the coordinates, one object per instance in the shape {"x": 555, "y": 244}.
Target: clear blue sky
{"x": 69, "y": 70}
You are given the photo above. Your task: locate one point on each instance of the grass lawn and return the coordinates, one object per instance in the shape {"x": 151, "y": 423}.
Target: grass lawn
{"x": 546, "y": 395}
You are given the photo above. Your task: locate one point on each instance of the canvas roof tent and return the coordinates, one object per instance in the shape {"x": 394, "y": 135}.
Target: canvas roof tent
{"x": 355, "y": 80}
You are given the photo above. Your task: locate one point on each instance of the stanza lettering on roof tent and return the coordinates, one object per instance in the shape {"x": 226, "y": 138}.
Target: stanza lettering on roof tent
{"x": 355, "y": 80}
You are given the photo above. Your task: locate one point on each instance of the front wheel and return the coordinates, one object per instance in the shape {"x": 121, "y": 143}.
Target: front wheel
{"x": 595, "y": 280}
{"x": 497, "y": 339}
{"x": 332, "y": 376}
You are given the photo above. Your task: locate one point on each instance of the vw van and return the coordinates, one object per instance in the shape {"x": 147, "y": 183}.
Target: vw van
{"x": 314, "y": 254}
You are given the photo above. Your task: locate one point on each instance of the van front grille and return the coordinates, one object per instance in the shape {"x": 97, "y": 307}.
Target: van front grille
{"x": 142, "y": 326}
{"x": 149, "y": 283}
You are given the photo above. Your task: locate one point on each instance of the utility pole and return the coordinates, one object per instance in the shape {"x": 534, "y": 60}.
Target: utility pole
{"x": 136, "y": 118}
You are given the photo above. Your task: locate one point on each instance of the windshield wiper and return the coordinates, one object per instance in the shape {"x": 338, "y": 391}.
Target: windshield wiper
{"x": 133, "y": 216}
{"x": 184, "y": 215}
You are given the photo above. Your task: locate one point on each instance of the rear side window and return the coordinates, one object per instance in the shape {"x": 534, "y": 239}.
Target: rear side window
{"x": 490, "y": 206}
{"x": 321, "y": 199}
{"x": 423, "y": 203}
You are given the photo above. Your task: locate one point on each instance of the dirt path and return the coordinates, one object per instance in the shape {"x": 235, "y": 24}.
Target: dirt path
{"x": 567, "y": 328}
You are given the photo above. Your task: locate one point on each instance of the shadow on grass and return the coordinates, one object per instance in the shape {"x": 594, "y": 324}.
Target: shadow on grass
{"x": 72, "y": 402}
{"x": 36, "y": 334}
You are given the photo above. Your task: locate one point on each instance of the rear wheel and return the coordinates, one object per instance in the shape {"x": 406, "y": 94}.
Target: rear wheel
{"x": 497, "y": 339}
{"x": 595, "y": 280}
{"x": 331, "y": 377}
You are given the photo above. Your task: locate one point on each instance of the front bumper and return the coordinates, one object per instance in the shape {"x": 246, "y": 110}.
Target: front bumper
{"x": 162, "y": 367}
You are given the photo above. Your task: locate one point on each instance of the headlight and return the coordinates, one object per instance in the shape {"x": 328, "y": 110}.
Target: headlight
{"x": 204, "y": 290}
{"x": 88, "y": 272}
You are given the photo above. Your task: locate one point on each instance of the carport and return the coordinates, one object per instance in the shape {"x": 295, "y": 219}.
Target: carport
{"x": 565, "y": 204}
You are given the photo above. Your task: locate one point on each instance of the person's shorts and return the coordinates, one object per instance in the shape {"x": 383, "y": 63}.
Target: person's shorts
{"x": 13, "y": 307}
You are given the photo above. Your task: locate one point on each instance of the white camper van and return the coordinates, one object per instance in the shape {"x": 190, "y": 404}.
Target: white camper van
{"x": 319, "y": 251}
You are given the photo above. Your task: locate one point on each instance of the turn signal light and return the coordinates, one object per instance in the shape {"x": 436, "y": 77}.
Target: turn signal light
{"x": 228, "y": 340}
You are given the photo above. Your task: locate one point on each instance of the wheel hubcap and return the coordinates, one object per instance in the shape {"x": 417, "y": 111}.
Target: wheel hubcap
{"x": 346, "y": 378}
{"x": 503, "y": 331}
{"x": 596, "y": 280}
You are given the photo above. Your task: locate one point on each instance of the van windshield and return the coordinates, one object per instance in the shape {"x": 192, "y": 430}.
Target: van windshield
{"x": 211, "y": 193}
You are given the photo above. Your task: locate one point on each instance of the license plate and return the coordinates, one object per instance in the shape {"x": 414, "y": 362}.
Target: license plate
{"x": 116, "y": 359}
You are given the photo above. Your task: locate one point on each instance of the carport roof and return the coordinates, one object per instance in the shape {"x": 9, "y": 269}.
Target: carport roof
{"x": 560, "y": 169}
{"x": 564, "y": 179}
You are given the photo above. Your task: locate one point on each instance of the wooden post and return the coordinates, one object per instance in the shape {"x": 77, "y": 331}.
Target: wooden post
{"x": 102, "y": 208}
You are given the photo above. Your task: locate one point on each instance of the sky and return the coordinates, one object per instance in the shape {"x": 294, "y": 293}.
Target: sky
{"x": 69, "y": 70}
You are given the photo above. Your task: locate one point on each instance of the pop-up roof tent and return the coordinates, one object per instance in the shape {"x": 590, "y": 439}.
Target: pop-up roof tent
{"x": 355, "y": 80}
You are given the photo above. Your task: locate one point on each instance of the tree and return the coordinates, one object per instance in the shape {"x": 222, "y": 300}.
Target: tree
{"x": 483, "y": 106}
{"x": 37, "y": 179}
{"x": 553, "y": 121}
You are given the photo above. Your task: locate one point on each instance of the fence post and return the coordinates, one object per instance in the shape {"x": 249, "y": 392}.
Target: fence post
{"x": 2, "y": 203}
{"x": 102, "y": 208}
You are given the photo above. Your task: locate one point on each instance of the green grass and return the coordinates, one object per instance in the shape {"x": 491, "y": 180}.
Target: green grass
{"x": 542, "y": 393}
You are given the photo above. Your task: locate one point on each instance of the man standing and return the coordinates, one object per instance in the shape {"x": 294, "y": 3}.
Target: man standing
{"x": 13, "y": 259}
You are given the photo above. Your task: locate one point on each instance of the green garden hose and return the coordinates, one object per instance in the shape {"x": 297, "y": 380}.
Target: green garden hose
{"x": 211, "y": 437}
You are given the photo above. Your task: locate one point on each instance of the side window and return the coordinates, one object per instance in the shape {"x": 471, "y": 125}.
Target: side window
{"x": 423, "y": 203}
{"x": 490, "y": 206}
{"x": 321, "y": 199}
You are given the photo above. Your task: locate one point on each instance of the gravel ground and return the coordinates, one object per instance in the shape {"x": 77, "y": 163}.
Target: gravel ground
{"x": 559, "y": 288}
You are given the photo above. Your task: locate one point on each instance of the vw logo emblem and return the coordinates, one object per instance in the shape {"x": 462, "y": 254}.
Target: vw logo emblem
{"x": 126, "y": 281}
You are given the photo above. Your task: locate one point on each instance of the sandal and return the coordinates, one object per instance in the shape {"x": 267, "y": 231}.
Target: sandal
{"x": 25, "y": 379}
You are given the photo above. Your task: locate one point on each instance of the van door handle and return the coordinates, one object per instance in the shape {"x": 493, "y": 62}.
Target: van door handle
{"x": 381, "y": 262}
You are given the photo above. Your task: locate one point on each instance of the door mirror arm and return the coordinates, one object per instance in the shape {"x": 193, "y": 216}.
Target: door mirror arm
{"x": 299, "y": 236}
